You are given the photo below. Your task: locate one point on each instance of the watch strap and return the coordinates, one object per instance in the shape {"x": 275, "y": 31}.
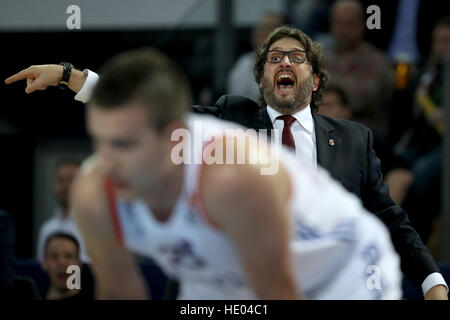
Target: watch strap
{"x": 67, "y": 71}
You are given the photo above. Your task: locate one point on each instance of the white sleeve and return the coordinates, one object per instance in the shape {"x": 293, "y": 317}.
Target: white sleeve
{"x": 432, "y": 280}
{"x": 84, "y": 95}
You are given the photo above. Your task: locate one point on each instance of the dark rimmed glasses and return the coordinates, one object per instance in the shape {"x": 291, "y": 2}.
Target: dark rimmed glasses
{"x": 295, "y": 56}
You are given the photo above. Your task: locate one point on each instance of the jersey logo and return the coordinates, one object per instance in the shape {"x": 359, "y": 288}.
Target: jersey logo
{"x": 181, "y": 254}
{"x": 344, "y": 231}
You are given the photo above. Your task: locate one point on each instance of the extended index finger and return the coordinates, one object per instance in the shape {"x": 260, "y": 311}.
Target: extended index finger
{"x": 24, "y": 74}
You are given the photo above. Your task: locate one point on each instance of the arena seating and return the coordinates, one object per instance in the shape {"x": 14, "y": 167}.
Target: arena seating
{"x": 156, "y": 279}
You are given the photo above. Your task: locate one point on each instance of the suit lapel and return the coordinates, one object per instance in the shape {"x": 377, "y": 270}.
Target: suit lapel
{"x": 263, "y": 121}
{"x": 326, "y": 144}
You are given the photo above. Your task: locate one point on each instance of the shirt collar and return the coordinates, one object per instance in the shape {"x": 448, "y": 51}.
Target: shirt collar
{"x": 304, "y": 117}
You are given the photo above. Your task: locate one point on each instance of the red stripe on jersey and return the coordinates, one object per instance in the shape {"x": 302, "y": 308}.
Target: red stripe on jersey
{"x": 197, "y": 203}
{"x": 111, "y": 197}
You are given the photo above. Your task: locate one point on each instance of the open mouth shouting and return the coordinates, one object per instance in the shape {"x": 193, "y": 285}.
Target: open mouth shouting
{"x": 285, "y": 82}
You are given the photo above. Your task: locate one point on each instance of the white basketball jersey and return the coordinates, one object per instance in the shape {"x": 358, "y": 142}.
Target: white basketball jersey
{"x": 340, "y": 250}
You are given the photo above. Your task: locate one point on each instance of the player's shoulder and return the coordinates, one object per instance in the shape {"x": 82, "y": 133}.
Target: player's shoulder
{"x": 258, "y": 174}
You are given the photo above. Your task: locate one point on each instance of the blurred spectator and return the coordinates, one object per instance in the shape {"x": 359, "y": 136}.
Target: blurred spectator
{"x": 394, "y": 167}
{"x": 312, "y": 16}
{"x": 363, "y": 71}
{"x": 335, "y": 104}
{"x": 62, "y": 220}
{"x": 403, "y": 46}
{"x": 424, "y": 148}
{"x": 61, "y": 251}
{"x": 241, "y": 80}
{"x": 7, "y": 257}
{"x": 405, "y": 20}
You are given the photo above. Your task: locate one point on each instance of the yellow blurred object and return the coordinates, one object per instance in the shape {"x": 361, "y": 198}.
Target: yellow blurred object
{"x": 401, "y": 75}
{"x": 428, "y": 107}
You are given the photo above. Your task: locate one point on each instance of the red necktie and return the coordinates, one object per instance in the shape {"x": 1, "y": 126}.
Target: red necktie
{"x": 287, "y": 137}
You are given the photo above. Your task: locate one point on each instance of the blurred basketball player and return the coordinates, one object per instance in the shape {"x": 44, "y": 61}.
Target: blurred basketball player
{"x": 225, "y": 231}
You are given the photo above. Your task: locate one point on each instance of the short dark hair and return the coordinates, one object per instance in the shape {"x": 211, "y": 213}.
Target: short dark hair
{"x": 443, "y": 21}
{"x": 61, "y": 235}
{"x": 149, "y": 77}
{"x": 313, "y": 50}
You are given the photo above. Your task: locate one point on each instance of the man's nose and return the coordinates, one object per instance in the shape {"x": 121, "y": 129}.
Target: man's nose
{"x": 286, "y": 62}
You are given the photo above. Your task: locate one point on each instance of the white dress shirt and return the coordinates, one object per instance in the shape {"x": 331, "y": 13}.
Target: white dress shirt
{"x": 302, "y": 130}
{"x": 84, "y": 95}
{"x": 304, "y": 133}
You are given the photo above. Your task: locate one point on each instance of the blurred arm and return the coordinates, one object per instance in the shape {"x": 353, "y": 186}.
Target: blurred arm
{"x": 116, "y": 273}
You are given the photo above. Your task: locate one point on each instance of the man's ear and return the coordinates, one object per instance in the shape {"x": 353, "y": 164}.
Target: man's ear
{"x": 316, "y": 82}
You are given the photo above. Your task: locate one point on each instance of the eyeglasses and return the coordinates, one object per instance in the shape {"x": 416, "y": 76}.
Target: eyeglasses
{"x": 295, "y": 56}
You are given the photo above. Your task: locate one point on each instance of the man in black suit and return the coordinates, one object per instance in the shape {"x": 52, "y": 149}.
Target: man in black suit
{"x": 291, "y": 78}
{"x": 344, "y": 148}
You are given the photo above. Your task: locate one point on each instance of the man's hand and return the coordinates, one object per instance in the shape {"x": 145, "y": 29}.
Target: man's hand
{"x": 438, "y": 292}
{"x": 41, "y": 76}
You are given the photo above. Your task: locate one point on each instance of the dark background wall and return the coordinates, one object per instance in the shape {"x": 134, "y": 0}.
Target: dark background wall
{"x": 29, "y": 121}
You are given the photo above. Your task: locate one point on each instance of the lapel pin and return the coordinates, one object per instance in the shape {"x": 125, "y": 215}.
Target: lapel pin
{"x": 331, "y": 142}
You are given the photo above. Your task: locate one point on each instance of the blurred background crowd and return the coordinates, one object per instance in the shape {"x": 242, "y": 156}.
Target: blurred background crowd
{"x": 390, "y": 79}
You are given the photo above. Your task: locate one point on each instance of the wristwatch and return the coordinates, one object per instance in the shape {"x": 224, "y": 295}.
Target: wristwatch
{"x": 67, "y": 71}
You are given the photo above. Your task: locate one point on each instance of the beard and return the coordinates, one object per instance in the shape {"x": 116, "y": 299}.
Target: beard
{"x": 301, "y": 98}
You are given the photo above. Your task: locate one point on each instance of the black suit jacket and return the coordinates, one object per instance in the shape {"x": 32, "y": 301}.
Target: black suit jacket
{"x": 354, "y": 163}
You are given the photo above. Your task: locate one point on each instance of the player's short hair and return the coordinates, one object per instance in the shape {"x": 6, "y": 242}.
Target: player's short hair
{"x": 61, "y": 235}
{"x": 313, "y": 49}
{"x": 148, "y": 77}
